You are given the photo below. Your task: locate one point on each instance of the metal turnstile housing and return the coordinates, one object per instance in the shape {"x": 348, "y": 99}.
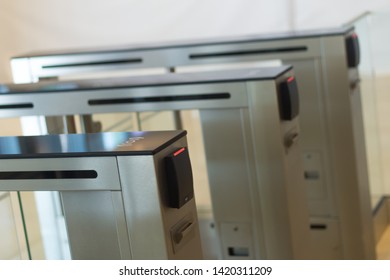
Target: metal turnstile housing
{"x": 113, "y": 189}
{"x": 252, "y": 150}
{"x": 333, "y": 145}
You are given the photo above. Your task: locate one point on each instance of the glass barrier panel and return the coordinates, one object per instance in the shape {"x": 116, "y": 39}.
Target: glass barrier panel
{"x": 9, "y": 244}
{"x": 380, "y": 44}
{"x": 368, "y": 95}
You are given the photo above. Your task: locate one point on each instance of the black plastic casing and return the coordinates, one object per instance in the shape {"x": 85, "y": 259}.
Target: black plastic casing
{"x": 179, "y": 178}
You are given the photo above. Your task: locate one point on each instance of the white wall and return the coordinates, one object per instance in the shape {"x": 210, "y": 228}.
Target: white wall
{"x": 52, "y": 24}
{"x": 46, "y": 24}
{"x": 317, "y": 14}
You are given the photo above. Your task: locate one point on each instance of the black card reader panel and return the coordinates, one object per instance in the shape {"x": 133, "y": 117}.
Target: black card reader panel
{"x": 353, "y": 51}
{"x": 288, "y": 99}
{"x": 179, "y": 178}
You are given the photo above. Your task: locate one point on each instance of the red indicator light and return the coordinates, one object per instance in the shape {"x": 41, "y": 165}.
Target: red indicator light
{"x": 178, "y": 152}
{"x": 289, "y": 80}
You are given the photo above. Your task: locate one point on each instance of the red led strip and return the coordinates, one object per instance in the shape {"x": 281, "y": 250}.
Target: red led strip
{"x": 289, "y": 80}
{"x": 179, "y": 152}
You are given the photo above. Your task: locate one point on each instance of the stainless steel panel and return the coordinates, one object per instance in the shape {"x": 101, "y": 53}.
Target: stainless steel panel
{"x": 61, "y": 65}
{"x": 325, "y": 238}
{"x": 281, "y": 180}
{"x": 97, "y": 217}
{"x": 142, "y": 207}
{"x": 315, "y": 136}
{"x": 68, "y": 106}
{"x": 106, "y": 167}
{"x": 227, "y": 164}
{"x": 96, "y": 225}
{"x": 253, "y": 51}
{"x": 350, "y": 175}
{"x": 150, "y": 228}
{"x": 255, "y": 179}
{"x": 237, "y": 241}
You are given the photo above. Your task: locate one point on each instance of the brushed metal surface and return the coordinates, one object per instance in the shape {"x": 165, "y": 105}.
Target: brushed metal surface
{"x": 106, "y": 167}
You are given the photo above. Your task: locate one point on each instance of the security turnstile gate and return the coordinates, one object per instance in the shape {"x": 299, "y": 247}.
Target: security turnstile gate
{"x": 251, "y": 135}
{"x": 333, "y": 146}
{"x": 124, "y": 195}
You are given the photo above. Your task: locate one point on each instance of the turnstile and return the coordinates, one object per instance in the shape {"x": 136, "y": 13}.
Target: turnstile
{"x": 333, "y": 146}
{"x": 251, "y": 135}
{"x": 124, "y": 195}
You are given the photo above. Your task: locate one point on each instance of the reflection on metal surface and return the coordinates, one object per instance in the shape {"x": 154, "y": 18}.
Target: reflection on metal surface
{"x": 9, "y": 244}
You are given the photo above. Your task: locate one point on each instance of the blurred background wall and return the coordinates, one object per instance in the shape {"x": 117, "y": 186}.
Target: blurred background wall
{"x": 53, "y": 24}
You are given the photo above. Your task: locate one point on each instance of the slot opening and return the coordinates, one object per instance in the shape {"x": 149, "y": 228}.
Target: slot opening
{"x": 94, "y": 63}
{"x": 247, "y": 52}
{"x": 17, "y": 106}
{"x": 48, "y": 174}
{"x": 152, "y": 99}
{"x": 318, "y": 226}
{"x": 238, "y": 251}
{"x": 312, "y": 175}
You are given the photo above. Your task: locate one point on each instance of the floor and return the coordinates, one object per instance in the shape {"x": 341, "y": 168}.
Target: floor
{"x": 383, "y": 246}
{"x": 378, "y": 144}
